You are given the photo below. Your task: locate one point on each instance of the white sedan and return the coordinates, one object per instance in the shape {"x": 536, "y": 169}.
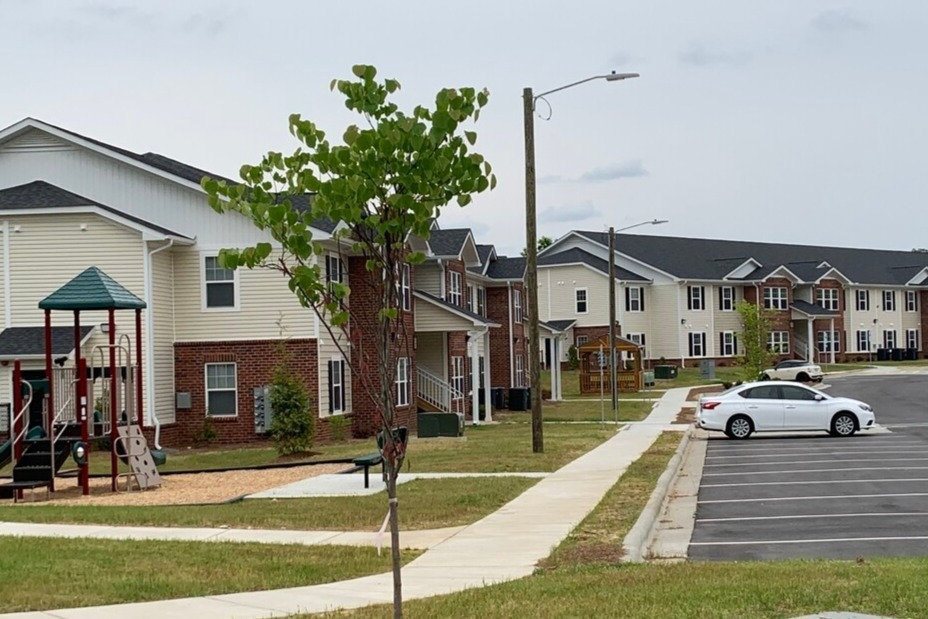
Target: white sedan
{"x": 770, "y": 407}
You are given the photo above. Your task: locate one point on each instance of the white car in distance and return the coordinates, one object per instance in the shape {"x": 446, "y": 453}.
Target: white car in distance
{"x": 794, "y": 369}
{"x": 772, "y": 407}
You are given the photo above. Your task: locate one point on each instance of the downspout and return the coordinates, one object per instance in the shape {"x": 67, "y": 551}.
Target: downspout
{"x": 149, "y": 340}
{"x": 7, "y": 286}
{"x": 512, "y": 351}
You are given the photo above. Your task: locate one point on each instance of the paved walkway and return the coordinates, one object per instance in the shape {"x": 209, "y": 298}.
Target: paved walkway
{"x": 506, "y": 545}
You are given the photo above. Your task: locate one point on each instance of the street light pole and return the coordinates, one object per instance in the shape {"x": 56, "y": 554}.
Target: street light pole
{"x": 531, "y": 249}
{"x": 613, "y": 371}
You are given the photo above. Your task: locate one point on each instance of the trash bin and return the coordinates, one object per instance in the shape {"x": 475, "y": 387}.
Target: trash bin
{"x": 665, "y": 371}
{"x": 707, "y": 369}
{"x": 432, "y": 425}
{"x": 498, "y": 398}
{"x": 898, "y": 354}
{"x": 882, "y": 354}
{"x": 911, "y": 354}
{"x": 519, "y": 399}
{"x": 648, "y": 379}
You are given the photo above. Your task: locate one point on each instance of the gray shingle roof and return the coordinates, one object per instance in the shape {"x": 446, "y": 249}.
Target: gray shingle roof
{"x": 448, "y": 242}
{"x": 577, "y": 255}
{"x": 810, "y": 309}
{"x": 39, "y": 194}
{"x": 30, "y": 341}
{"x": 690, "y": 258}
{"x": 483, "y": 252}
{"x": 562, "y": 325}
{"x": 505, "y": 267}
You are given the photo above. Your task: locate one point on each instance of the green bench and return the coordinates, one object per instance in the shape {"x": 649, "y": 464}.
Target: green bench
{"x": 371, "y": 459}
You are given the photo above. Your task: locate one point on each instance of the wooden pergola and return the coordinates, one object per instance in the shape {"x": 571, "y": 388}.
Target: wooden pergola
{"x": 594, "y": 366}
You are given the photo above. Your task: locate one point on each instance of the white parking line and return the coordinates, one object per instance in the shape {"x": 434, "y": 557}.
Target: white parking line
{"x": 808, "y": 482}
{"x": 823, "y": 460}
{"x": 814, "y": 498}
{"x": 859, "y": 445}
{"x": 833, "y": 540}
{"x": 822, "y": 453}
{"x": 791, "y": 471}
{"x": 905, "y": 425}
{"x": 816, "y": 516}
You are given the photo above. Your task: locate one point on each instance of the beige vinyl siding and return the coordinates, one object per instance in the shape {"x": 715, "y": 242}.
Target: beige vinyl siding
{"x": 162, "y": 287}
{"x": 557, "y": 294}
{"x": 430, "y": 317}
{"x": 428, "y": 278}
{"x": 329, "y": 349}
{"x": 4, "y": 227}
{"x": 264, "y": 298}
{"x": 635, "y": 322}
{"x": 430, "y": 353}
{"x": 725, "y": 320}
{"x": 663, "y": 336}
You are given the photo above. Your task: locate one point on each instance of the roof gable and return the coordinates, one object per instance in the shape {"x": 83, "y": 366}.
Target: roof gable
{"x": 744, "y": 269}
{"x": 576, "y": 255}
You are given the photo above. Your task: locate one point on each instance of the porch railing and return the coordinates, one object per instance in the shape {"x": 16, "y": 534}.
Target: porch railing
{"x": 438, "y": 392}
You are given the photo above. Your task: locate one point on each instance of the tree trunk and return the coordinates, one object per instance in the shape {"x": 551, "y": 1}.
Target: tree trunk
{"x": 392, "y": 471}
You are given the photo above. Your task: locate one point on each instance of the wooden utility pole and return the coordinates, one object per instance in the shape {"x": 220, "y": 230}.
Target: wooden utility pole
{"x": 531, "y": 271}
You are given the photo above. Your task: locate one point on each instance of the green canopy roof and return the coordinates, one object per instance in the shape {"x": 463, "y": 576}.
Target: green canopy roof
{"x": 91, "y": 290}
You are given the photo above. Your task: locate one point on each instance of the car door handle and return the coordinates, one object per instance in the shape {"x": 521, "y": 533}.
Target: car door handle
{"x": 752, "y": 406}
{"x": 790, "y": 407}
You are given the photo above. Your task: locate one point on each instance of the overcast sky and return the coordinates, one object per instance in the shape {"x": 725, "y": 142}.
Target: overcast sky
{"x": 796, "y": 121}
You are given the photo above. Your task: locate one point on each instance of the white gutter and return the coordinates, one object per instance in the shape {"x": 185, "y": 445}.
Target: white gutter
{"x": 7, "y": 286}
{"x": 149, "y": 340}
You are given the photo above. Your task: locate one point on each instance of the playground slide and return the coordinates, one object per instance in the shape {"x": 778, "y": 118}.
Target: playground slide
{"x": 6, "y": 449}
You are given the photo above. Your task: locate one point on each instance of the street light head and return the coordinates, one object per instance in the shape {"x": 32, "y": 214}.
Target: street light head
{"x": 657, "y": 222}
{"x": 615, "y": 77}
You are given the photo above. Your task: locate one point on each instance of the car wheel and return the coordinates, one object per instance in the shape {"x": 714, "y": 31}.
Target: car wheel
{"x": 739, "y": 427}
{"x": 802, "y": 377}
{"x": 843, "y": 424}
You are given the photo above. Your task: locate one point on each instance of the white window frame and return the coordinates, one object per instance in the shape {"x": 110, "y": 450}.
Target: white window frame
{"x": 889, "y": 338}
{"x": 204, "y": 285}
{"x": 481, "y": 301}
{"x": 863, "y": 300}
{"x": 403, "y": 384}
{"x": 863, "y": 340}
{"x": 911, "y": 300}
{"x": 824, "y": 342}
{"x": 206, "y": 367}
{"x": 776, "y": 297}
{"x": 405, "y": 300}
{"x": 778, "y": 342}
{"x": 696, "y": 298}
{"x": 520, "y": 370}
{"x": 335, "y": 382}
{"x": 889, "y": 300}
{"x": 471, "y": 292}
{"x": 727, "y": 302}
{"x": 911, "y": 338}
{"x": 582, "y": 339}
{"x": 455, "y": 294}
{"x": 457, "y": 375}
{"x": 728, "y": 342}
{"x": 697, "y": 341}
{"x": 641, "y": 340}
{"x": 585, "y": 301}
{"x": 827, "y": 298}
{"x": 635, "y": 299}
{"x": 517, "y": 314}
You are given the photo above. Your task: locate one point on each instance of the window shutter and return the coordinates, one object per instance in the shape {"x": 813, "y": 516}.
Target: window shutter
{"x": 689, "y": 299}
{"x": 721, "y": 297}
{"x": 722, "y": 343}
{"x": 641, "y": 302}
{"x": 331, "y": 407}
{"x": 341, "y": 366}
{"x": 628, "y": 299}
{"x": 691, "y": 344}
{"x": 642, "y": 339}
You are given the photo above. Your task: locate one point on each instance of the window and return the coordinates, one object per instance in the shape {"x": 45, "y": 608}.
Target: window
{"x": 639, "y": 339}
{"x": 405, "y": 290}
{"x": 911, "y": 301}
{"x": 889, "y": 338}
{"x": 482, "y": 301}
{"x": 470, "y": 298}
{"x": 220, "y": 284}
{"x": 696, "y": 297}
{"x": 778, "y": 342}
{"x": 457, "y": 377}
{"x": 828, "y": 341}
{"x": 863, "y": 341}
{"x": 726, "y": 298}
{"x": 402, "y": 381}
{"x": 763, "y": 392}
{"x": 454, "y": 289}
{"x": 911, "y": 338}
{"x": 221, "y": 400}
{"x": 795, "y": 392}
{"x": 517, "y": 305}
{"x": 863, "y": 300}
{"x": 827, "y": 298}
{"x": 776, "y": 298}
{"x": 634, "y": 299}
{"x": 889, "y": 300}
{"x": 520, "y": 371}
{"x": 581, "y": 299}
{"x": 728, "y": 343}
{"x": 334, "y": 272}
{"x": 336, "y": 385}
{"x": 697, "y": 344}
{"x": 582, "y": 339}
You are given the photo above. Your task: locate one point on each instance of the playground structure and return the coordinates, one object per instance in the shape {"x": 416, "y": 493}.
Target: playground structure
{"x": 594, "y": 366}
{"x": 84, "y": 402}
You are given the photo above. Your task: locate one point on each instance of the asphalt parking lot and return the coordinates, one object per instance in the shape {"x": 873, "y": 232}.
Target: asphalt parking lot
{"x": 814, "y": 496}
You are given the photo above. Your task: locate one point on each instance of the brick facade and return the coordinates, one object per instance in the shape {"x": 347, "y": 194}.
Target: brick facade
{"x": 780, "y": 319}
{"x": 254, "y": 364}
{"x": 509, "y": 333}
{"x": 845, "y": 341}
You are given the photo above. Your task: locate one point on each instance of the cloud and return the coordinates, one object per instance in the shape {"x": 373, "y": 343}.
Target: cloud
{"x": 838, "y": 21}
{"x": 623, "y": 60}
{"x": 212, "y": 24}
{"x": 701, "y": 56}
{"x": 569, "y": 212}
{"x": 628, "y": 169}
{"x": 549, "y": 179}
{"x": 117, "y": 13}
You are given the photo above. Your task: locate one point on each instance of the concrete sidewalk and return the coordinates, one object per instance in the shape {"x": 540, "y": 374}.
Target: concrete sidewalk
{"x": 505, "y": 545}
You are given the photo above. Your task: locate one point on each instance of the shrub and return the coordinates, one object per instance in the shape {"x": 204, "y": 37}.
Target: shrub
{"x": 293, "y": 425}
{"x": 338, "y": 427}
{"x": 573, "y": 359}
{"x": 207, "y": 432}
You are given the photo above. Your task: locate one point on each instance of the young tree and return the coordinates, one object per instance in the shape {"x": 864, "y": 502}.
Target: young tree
{"x": 755, "y": 328}
{"x": 388, "y": 180}
{"x": 543, "y": 243}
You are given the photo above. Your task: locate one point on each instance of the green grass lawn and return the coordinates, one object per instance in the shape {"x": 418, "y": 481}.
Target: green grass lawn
{"x": 424, "y": 504}
{"x": 595, "y": 410}
{"x": 45, "y": 573}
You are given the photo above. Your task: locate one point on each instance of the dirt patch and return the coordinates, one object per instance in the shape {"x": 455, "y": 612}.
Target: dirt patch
{"x": 183, "y": 489}
{"x": 695, "y": 392}
{"x": 687, "y": 414}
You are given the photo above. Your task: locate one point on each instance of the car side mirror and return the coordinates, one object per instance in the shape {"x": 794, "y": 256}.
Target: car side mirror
{"x": 819, "y": 397}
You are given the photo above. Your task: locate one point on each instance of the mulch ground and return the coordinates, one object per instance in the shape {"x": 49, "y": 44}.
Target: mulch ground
{"x": 695, "y": 392}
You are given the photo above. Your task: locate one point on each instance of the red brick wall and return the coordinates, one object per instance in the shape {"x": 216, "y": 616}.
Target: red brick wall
{"x": 520, "y": 333}
{"x": 780, "y": 319}
{"x": 255, "y": 361}
{"x": 846, "y": 340}
{"x": 498, "y": 312}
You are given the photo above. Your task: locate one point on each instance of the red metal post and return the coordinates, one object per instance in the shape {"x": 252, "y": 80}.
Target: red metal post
{"x": 17, "y": 426}
{"x": 50, "y": 392}
{"x": 114, "y": 414}
{"x": 138, "y": 367}
{"x": 83, "y": 417}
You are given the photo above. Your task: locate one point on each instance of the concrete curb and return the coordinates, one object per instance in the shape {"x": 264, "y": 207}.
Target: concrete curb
{"x": 634, "y": 546}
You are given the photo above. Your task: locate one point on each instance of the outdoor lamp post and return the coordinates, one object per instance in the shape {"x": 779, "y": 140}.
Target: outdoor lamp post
{"x": 531, "y": 247}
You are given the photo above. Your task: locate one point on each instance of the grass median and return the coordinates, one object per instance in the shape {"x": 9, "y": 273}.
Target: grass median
{"x": 45, "y": 573}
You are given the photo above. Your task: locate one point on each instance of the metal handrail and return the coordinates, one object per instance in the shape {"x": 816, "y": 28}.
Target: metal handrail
{"x": 15, "y": 418}
{"x": 53, "y": 439}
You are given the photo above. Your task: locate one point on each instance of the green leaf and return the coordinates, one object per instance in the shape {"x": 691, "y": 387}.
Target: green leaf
{"x": 471, "y": 137}
{"x": 359, "y": 70}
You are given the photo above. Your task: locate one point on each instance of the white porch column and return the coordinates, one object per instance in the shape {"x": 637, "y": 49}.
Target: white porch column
{"x": 474, "y": 377}
{"x": 486, "y": 376}
{"x": 831, "y": 338}
{"x": 556, "y": 393}
{"x": 809, "y": 340}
